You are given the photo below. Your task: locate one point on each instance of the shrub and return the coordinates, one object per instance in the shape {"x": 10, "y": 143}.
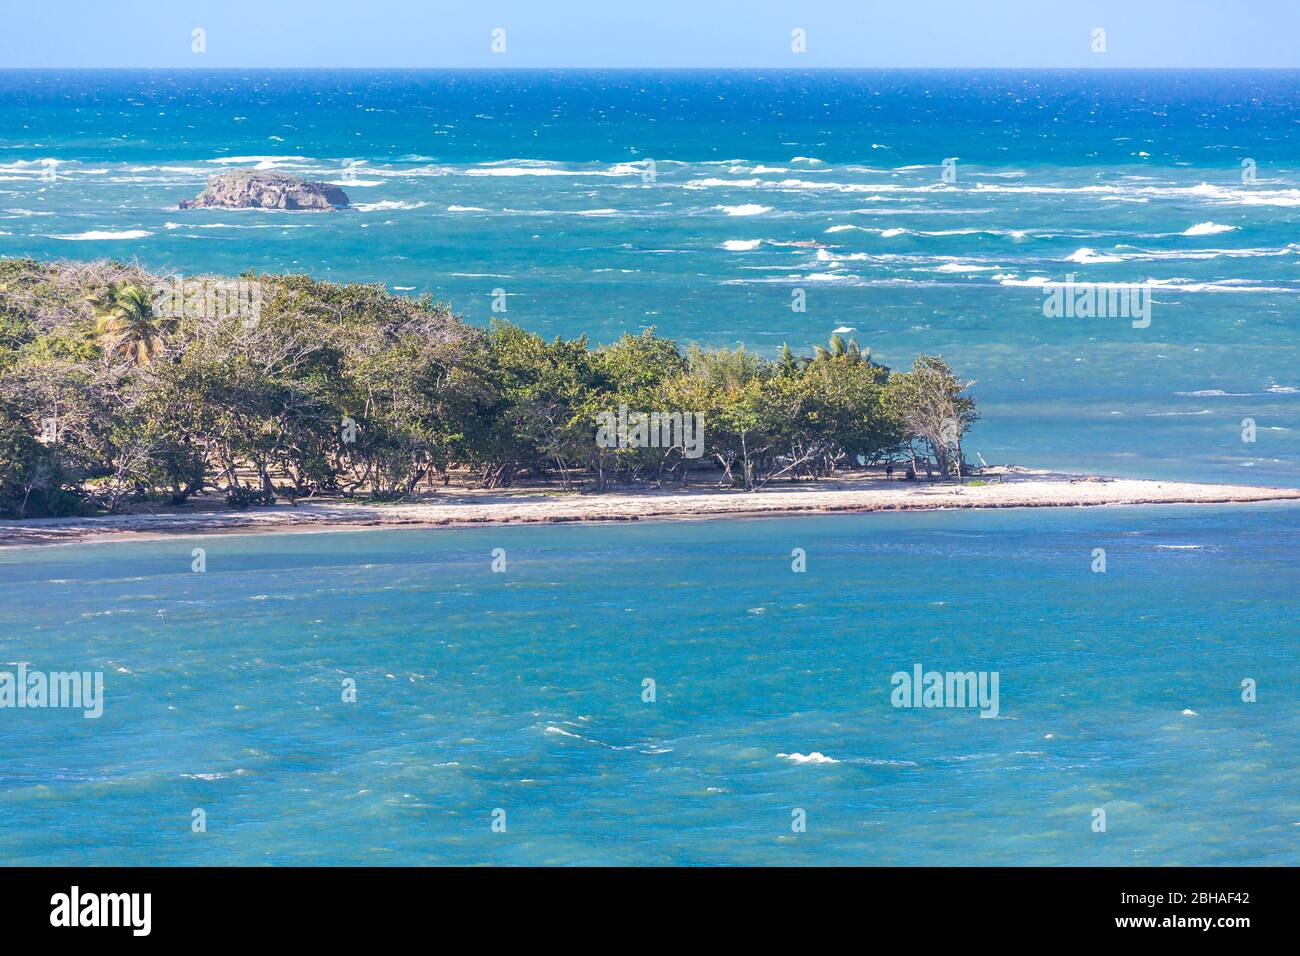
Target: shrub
{"x": 241, "y": 499}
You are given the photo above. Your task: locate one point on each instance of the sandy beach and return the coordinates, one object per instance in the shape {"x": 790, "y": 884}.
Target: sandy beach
{"x": 1003, "y": 487}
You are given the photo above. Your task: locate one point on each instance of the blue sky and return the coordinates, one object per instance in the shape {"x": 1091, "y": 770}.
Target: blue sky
{"x": 659, "y": 33}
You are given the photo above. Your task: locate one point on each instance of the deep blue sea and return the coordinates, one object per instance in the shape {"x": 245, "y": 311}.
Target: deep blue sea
{"x": 533, "y": 182}
{"x": 522, "y": 691}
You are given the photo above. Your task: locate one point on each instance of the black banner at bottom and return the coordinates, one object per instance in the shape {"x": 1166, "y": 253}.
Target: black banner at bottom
{"x": 340, "y": 905}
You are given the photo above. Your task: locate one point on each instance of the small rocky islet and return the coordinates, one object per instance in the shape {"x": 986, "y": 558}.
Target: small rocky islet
{"x": 256, "y": 189}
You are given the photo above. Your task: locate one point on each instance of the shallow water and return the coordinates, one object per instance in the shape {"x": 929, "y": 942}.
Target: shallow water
{"x": 522, "y": 691}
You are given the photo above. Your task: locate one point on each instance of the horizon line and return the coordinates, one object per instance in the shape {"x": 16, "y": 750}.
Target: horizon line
{"x": 670, "y": 69}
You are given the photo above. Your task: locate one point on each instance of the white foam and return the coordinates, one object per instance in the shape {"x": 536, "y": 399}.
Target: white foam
{"x": 542, "y": 168}
{"x": 552, "y": 729}
{"x": 1204, "y": 191}
{"x": 387, "y": 204}
{"x": 815, "y": 757}
{"x": 97, "y": 234}
{"x": 1171, "y": 285}
{"x": 1205, "y": 254}
{"x": 1086, "y": 255}
{"x": 745, "y": 209}
{"x": 263, "y": 162}
{"x": 22, "y": 164}
{"x": 741, "y": 245}
{"x": 228, "y": 225}
{"x": 712, "y": 181}
{"x": 965, "y": 267}
{"x": 1207, "y": 229}
{"x": 215, "y": 776}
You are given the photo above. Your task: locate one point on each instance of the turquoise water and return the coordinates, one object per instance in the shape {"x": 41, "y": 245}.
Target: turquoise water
{"x": 766, "y": 182}
{"x": 522, "y": 691}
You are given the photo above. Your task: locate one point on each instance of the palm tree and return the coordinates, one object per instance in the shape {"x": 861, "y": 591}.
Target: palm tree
{"x": 126, "y": 323}
{"x": 788, "y": 363}
{"x": 840, "y": 349}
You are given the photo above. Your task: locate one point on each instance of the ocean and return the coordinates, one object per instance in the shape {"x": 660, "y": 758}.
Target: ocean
{"x": 533, "y": 182}
{"x": 699, "y": 203}
{"x": 523, "y": 691}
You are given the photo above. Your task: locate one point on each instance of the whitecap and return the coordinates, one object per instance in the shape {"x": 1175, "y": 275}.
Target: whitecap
{"x": 815, "y": 757}
{"x": 965, "y": 267}
{"x": 712, "y": 181}
{"x": 263, "y": 162}
{"x": 387, "y": 204}
{"x": 552, "y": 729}
{"x": 1086, "y": 255}
{"x": 215, "y": 776}
{"x": 745, "y": 209}
{"x": 621, "y": 170}
{"x": 1207, "y": 229}
{"x": 98, "y": 234}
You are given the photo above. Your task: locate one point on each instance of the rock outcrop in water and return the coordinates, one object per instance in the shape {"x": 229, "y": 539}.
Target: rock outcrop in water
{"x": 255, "y": 189}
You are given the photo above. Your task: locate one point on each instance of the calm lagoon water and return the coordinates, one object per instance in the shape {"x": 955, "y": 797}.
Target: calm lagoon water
{"x": 522, "y": 691}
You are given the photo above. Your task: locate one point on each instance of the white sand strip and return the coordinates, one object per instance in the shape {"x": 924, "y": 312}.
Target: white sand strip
{"x": 997, "y": 488}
